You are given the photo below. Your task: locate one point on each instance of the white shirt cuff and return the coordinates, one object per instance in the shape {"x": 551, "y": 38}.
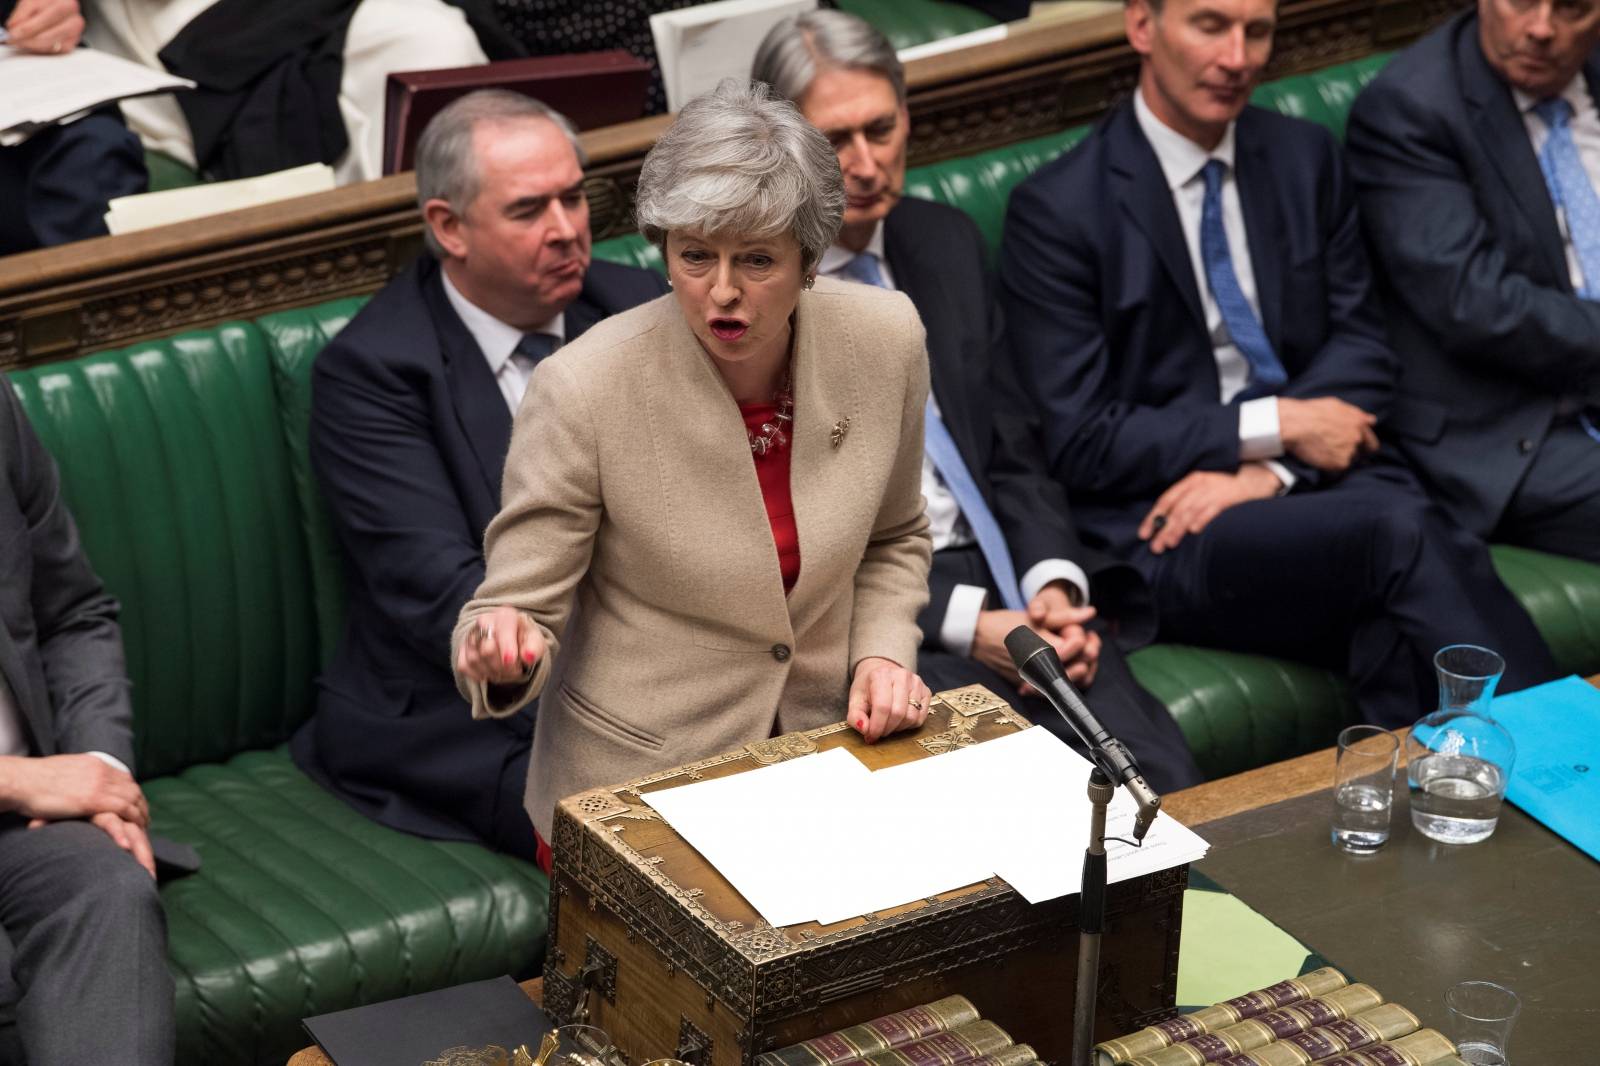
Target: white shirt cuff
{"x": 960, "y": 624}
{"x": 1045, "y": 571}
{"x": 1283, "y": 474}
{"x": 111, "y": 761}
{"x": 1258, "y": 429}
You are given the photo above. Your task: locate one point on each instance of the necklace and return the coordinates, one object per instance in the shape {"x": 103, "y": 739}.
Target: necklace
{"x": 772, "y": 434}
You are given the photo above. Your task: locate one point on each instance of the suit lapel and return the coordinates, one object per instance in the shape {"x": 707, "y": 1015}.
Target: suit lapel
{"x": 480, "y": 407}
{"x": 1505, "y": 141}
{"x": 1263, "y": 222}
{"x": 1144, "y": 198}
{"x": 920, "y": 277}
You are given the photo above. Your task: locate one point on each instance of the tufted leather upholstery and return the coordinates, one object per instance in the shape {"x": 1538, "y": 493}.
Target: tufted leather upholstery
{"x": 1239, "y": 711}
{"x": 184, "y": 461}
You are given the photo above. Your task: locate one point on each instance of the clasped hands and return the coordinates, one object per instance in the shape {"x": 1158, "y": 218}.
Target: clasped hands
{"x": 505, "y": 645}
{"x": 1052, "y": 615}
{"x": 56, "y": 788}
{"x": 1326, "y": 433}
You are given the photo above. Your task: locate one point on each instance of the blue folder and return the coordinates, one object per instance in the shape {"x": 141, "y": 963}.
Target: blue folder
{"x": 1556, "y": 778}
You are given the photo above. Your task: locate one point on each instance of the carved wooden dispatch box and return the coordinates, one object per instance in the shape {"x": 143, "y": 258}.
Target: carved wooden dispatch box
{"x": 650, "y": 943}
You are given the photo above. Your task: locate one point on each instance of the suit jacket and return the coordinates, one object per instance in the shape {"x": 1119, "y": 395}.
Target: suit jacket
{"x": 60, "y": 648}
{"x": 937, "y": 256}
{"x": 630, "y": 491}
{"x": 1106, "y": 323}
{"x": 1482, "y": 314}
{"x": 409, "y": 432}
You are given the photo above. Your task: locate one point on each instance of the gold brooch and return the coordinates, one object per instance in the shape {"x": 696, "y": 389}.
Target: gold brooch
{"x": 840, "y": 428}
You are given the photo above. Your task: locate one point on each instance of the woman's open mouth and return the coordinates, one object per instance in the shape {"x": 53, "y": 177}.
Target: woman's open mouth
{"x": 728, "y": 329}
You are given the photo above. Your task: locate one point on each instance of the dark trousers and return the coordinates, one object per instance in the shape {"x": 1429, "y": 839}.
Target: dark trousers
{"x": 1556, "y": 508}
{"x": 83, "y": 951}
{"x": 54, "y": 186}
{"x": 1364, "y": 576}
{"x": 1132, "y": 715}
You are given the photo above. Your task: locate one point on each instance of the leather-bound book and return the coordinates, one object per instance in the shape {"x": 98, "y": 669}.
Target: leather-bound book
{"x": 880, "y": 1034}
{"x": 1153, "y": 1038}
{"x": 964, "y": 1045}
{"x": 1427, "y": 1048}
{"x": 1285, "y": 1024}
{"x": 593, "y": 89}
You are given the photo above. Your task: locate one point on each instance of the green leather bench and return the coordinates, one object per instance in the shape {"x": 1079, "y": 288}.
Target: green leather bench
{"x": 1239, "y": 711}
{"x": 185, "y": 463}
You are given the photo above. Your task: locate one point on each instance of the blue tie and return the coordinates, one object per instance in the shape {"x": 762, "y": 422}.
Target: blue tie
{"x": 1572, "y": 191}
{"x": 1266, "y": 373}
{"x": 941, "y": 448}
{"x": 534, "y": 347}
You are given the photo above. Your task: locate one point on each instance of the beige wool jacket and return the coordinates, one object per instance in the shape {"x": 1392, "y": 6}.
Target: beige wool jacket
{"x": 634, "y": 531}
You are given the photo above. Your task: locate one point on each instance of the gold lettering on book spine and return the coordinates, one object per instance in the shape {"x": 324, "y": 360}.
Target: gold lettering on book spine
{"x": 880, "y": 1034}
{"x": 1148, "y": 1041}
{"x": 970, "y": 1042}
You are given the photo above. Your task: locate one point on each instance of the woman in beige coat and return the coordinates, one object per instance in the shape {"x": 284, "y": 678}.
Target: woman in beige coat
{"x": 722, "y": 485}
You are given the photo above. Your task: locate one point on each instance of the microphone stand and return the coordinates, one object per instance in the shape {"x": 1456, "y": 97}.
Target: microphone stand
{"x": 1091, "y": 919}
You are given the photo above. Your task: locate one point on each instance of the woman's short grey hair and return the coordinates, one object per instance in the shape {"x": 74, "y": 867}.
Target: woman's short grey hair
{"x": 800, "y": 47}
{"x": 739, "y": 160}
{"x": 447, "y": 168}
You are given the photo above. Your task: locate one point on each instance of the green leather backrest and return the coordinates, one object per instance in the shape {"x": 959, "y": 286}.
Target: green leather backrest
{"x": 293, "y": 340}
{"x": 913, "y": 22}
{"x": 172, "y": 459}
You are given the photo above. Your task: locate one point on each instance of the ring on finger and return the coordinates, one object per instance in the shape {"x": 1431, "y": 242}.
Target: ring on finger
{"x": 916, "y": 704}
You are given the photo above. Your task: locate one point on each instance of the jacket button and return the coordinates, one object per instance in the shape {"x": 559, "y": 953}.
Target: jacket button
{"x": 780, "y": 652}
{"x": 1524, "y": 445}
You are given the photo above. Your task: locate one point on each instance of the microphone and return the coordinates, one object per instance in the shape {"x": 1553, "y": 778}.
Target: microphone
{"x": 1036, "y": 661}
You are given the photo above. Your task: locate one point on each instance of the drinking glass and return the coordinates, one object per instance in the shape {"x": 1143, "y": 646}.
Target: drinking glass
{"x": 1363, "y": 788}
{"x": 1459, "y": 759}
{"x": 1481, "y": 1016}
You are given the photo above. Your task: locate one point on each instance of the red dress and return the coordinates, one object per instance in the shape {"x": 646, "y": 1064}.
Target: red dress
{"x": 772, "y": 471}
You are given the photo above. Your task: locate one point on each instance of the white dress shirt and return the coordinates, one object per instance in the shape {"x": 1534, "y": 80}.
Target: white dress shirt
{"x": 1585, "y": 123}
{"x": 1183, "y": 164}
{"x": 945, "y": 524}
{"x": 498, "y": 342}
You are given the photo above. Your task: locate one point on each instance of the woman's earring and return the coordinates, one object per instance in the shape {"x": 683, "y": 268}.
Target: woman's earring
{"x": 811, "y": 279}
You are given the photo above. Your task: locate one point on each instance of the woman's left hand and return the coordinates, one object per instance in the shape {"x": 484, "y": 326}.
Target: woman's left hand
{"x": 885, "y": 698}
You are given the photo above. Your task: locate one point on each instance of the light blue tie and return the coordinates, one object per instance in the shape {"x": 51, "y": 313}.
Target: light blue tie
{"x": 1572, "y": 191}
{"x": 952, "y": 469}
{"x": 1266, "y": 373}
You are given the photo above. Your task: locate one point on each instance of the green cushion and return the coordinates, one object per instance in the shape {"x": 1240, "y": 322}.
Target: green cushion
{"x": 1563, "y": 597}
{"x": 167, "y": 173}
{"x": 1322, "y": 96}
{"x": 173, "y": 464}
{"x": 303, "y": 906}
{"x": 293, "y": 339}
{"x": 631, "y": 250}
{"x": 912, "y": 22}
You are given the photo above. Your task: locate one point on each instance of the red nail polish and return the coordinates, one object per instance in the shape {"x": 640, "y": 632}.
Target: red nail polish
{"x": 508, "y": 658}
{"x": 527, "y": 656}
{"x": 861, "y": 723}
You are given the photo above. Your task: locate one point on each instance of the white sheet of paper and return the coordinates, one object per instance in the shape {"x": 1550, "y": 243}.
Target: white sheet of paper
{"x": 698, "y": 46}
{"x": 149, "y": 209}
{"x": 46, "y": 89}
{"x": 821, "y": 838}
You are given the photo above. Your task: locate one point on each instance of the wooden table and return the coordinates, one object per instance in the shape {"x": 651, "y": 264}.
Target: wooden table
{"x": 1213, "y": 802}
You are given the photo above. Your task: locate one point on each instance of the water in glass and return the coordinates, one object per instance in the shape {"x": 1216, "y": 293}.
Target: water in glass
{"x": 1456, "y": 798}
{"x": 1361, "y": 816}
{"x": 1481, "y": 1054}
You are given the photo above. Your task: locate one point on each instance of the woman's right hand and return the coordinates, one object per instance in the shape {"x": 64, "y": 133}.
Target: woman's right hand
{"x": 501, "y": 648}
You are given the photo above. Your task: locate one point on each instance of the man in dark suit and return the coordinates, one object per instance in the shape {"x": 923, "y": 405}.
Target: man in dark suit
{"x": 1476, "y": 159}
{"x": 411, "y": 417}
{"x": 54, "y": 187}
{"x": 83, "y": 966}
{"x": 983, "y": 469}
{"x": 1189, "y": 300}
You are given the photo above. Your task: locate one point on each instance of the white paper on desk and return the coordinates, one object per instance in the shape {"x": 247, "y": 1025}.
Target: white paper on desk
{"x": 696, "y": 47}
{"x": 764, "y": 829}
{"x": 823, "y": 839}
{"x": 146, "y": 210}
{"x": 38, "y": 90}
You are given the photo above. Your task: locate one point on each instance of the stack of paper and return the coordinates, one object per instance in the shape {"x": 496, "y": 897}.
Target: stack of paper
{"x": 697, "y": 47}
{"x": 148, "y": 209}
{"x": 822, "y": 838}
{"x": 38, "y": 91}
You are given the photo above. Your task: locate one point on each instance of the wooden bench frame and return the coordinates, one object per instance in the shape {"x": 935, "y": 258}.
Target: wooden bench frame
{"x": 61, "y": 302}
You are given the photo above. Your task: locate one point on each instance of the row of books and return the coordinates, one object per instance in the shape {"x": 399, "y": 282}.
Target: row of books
{"x": 1319, "y": 1017}
{"x": 947, "y": 1032}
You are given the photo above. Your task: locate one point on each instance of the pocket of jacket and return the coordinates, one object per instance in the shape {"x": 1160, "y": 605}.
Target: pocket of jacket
{"x": 606, "y": 722}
